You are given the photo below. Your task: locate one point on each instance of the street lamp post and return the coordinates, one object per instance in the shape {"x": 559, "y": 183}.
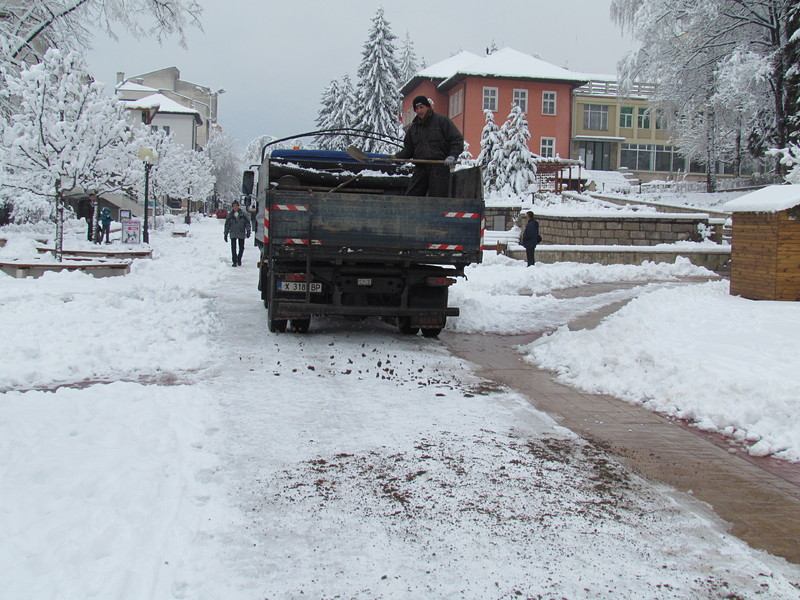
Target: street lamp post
{"x": 149, "y": 158}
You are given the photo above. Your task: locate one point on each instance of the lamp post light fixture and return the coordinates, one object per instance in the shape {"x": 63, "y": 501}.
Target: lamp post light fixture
{"x": 149, "y": 158}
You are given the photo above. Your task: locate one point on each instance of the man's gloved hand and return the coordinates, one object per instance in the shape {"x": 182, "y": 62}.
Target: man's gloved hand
{"x": 226, "y": 238}
{"x": 450, "y": 161}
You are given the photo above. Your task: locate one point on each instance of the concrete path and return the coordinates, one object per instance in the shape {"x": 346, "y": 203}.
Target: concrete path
{"x": 760, "y": 498}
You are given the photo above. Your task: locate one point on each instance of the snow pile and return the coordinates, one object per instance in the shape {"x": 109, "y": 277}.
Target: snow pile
{"x": 697, "y": 353}
{"x": 503, "y": 296}
{"x": 71, "y": 326}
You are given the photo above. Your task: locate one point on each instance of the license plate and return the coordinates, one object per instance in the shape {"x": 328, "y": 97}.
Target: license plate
{"x": 298, "y": 286}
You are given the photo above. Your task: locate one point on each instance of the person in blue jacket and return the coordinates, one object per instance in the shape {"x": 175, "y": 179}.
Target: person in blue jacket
{"x": 105, "y": 225}
{"x": 530, "y": 238}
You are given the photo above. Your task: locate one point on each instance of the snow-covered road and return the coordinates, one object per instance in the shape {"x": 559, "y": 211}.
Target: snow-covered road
{"x": 350, "y": 462}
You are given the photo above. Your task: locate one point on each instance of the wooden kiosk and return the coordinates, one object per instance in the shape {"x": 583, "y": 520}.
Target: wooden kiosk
{"x": 765, "y": 256}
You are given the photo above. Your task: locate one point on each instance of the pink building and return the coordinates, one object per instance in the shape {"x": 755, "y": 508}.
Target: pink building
{"x": 465, "y": 84}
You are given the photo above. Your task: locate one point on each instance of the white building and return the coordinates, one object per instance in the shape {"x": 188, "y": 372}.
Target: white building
{"x": 160, "y": 112}
{"x": 167, "y": 82}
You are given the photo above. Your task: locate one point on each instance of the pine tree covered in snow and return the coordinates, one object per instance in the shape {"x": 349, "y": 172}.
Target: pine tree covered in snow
{"x": 516, "y": 167}
{"x": 327, "y": 113}
{"x": 65, "y": 134}
{"x": 336, "y": 113}
{"x": 378, "y": 107}
{"x": 408, "y": 65}
{"x": 491, "y": 145}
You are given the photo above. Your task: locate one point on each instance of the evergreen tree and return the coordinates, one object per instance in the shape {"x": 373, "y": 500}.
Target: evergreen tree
{"x": 491, "y": 144}
{"x": 331, "y": 96}
{"x": 517, "y": 169}
{"x": 377, "y": 90}
{"x": 336, "y": 113}
{"x": 409, "y": 65}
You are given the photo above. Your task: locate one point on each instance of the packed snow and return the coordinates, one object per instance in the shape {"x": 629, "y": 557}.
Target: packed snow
{"x": 156, "y": 441}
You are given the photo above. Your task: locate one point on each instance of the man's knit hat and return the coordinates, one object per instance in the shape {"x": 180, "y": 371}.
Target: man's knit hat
{"x": 420, "y": 100}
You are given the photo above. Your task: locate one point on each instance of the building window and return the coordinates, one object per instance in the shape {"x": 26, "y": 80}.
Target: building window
{"x": 548, "y": 147}
{"x": 626, "y": 117}
{"x": 638, "y": 157}
{"x": 661, "y": 119}
{"x": 490, "y": 99}
{"x": 521, "y": 100}
{"x": 457, "y": 103}
{"x": 643, "y": 121}
{"x": 548, "y": 103}
{"x": 595, "y": 117}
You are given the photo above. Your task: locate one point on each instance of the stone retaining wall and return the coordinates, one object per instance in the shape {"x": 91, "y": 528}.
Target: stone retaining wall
{"x": 620, "y": 231}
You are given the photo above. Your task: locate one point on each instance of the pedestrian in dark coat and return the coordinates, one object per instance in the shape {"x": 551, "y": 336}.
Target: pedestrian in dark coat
{"x": 530, "y": 238}
{"x": 431, "y": 136}
{"x": 86, "y": 211}
{"x": 237, "y": 226}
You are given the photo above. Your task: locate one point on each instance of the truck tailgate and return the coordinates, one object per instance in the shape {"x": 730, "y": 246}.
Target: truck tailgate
{"x": 447, "y": 228}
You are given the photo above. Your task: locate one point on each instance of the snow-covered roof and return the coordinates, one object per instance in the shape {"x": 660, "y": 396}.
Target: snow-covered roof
{"x": 773, "y": 198}
{"x": 447, "y": 67}
{"x": 513, "y": 64}
{"x": 130, "y": 86}
{"x": 164, "y": 105}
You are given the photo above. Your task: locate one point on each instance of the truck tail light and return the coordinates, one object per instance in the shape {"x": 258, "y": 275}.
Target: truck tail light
{"x": 439, "y": 281}
{"x": 294, "y": 277}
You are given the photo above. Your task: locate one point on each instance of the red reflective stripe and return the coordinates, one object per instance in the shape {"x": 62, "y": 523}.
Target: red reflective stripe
{"x": 289, "y": 207}
{"x": 302, "y": 242}
{"x": 444, "y": 247}
{"x": 462, "y": 215}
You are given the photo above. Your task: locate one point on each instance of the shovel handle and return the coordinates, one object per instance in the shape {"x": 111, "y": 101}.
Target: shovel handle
{"x": 361, "y": 156}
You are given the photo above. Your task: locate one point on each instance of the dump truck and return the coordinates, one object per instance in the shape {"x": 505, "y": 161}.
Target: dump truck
{"x": 338, "y": 237}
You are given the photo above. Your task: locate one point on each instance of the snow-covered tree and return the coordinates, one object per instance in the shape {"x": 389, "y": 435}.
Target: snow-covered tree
{"x": 491, "y": 145}
{"x": 790, "y": 158}
{"x": 336, "y": 112}
{"x": 686, "y": 47}
{"x": 32, "y": 26}
{"x": 408, "y": 64}
{"x": 179, "y": 173}
{"x": 517, "y": 170}
{"x": 378, "y": 107}
{"x": 252, "y": 153}
{"x": 65, "y": 134}
{"x": 465, "y": 159}
{"x": 226, "y": 166}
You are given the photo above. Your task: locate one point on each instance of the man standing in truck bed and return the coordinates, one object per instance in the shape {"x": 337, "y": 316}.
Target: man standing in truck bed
{"x": 431, "y": 136}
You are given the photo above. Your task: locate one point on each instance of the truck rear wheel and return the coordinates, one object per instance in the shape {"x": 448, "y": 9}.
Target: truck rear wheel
{"x": 301, "y": 325}
{"x": 275, "y": 325}
{"x": 404, "y": 325}
{"x": 431, "y": 332}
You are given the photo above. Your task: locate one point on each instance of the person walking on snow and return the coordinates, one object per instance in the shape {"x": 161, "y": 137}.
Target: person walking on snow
{"x": 431, "y": 136}
{"x": 530, "y": 238}
{"x": 237, "y": 226}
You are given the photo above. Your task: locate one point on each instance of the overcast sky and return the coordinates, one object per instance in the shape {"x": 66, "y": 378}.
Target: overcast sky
{"x": 274, "y": 59}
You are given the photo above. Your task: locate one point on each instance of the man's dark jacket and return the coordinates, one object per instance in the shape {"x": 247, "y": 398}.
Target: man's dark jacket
{"x": 530, "y": 236}
{"x": 436, "y": 138}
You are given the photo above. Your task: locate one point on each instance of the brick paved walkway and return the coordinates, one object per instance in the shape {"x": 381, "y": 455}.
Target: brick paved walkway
{"x": 760, "y": 498}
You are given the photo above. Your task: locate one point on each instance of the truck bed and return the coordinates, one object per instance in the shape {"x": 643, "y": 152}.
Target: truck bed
{"x": 370, "y": 227}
